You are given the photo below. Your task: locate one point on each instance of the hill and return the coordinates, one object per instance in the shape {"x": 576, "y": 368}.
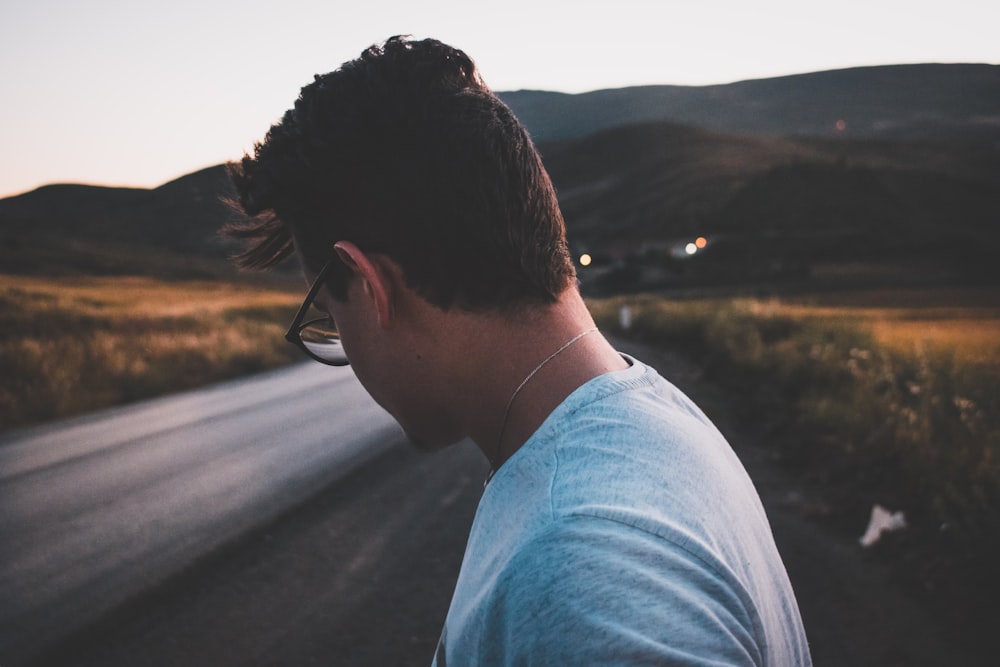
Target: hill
{"x": 906, "y": 102}
{"x": 169, "y": 231}
{"x": 772, "y": 206}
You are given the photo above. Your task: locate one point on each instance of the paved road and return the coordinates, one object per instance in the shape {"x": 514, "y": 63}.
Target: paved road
{"x": 97, "y": 509}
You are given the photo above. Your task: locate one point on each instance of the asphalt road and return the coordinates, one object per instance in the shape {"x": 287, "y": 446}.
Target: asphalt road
{"x": 96, "y": 510}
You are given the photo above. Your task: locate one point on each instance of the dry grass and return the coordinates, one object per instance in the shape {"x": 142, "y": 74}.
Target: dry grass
{"x": 961, "y": 322}
{"x": 888, "y": 397}
{"x": 68, "y": 346}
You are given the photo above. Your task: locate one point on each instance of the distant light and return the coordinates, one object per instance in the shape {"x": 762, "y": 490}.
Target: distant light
{"x": 690, "y": 248}
{"x": 701, "y": 242}
{"x": 585, "y": 259}
{"x": 841, "y": 125}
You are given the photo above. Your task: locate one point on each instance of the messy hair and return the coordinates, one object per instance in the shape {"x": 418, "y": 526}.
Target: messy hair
{"x": 405, "y": 151}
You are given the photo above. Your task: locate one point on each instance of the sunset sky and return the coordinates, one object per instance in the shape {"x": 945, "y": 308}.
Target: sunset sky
{"x": 127, "y": 92}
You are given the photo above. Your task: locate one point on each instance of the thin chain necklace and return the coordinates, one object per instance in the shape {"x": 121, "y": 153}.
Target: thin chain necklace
{"x": 510, "y": 402}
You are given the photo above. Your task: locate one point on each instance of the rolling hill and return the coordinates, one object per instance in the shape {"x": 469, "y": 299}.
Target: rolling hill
{"x": 923, "y": 102}
{"x": 777, "y": 206}
{"x": 758, "y": 167}
{"x": 169, "y": 231}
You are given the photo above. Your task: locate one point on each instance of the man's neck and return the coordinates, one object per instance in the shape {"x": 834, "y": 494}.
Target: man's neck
{"x": 516, "y": 370}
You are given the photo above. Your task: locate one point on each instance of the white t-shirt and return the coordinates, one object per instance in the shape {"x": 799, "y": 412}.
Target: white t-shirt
{"x": 623, "y": 532}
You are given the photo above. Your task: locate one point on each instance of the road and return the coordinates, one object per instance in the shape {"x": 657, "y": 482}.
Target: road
{"x": 95, "y": 510}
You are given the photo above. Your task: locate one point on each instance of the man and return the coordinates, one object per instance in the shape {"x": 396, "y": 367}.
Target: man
{"x": 617, "y": 526}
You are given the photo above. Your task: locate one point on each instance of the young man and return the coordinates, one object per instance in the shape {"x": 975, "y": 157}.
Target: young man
{"x": 617, "y": 526}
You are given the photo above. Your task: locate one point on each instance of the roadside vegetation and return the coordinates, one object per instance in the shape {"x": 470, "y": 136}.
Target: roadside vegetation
{"x": 883, "y": 396}
{"x": 68, "y": 346}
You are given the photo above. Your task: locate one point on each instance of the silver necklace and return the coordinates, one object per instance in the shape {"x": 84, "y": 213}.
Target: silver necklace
{"x": 510, "y": 402}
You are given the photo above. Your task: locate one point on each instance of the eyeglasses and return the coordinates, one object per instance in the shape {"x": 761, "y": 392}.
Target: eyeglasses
{"x": 318, "y": 338}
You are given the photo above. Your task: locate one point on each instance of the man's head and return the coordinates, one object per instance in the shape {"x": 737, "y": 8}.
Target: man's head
{"x": 406, "y": 152}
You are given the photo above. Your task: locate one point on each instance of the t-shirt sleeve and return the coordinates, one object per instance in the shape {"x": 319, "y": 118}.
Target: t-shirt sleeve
{"x": 594, "y": 591}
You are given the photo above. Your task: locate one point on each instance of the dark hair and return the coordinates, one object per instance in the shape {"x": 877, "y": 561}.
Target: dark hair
{"x": 405, "y": 151}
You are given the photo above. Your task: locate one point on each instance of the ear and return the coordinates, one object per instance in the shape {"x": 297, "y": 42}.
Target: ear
{"x": 377, "y": 279}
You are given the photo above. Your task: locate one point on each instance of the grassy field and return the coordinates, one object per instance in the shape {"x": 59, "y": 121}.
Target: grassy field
{"x": 889, "y": 397}
{"x": 68, "y": 346}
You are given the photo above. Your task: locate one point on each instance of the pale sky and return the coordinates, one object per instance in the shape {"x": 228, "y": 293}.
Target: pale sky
{"x": 128, "y": 92}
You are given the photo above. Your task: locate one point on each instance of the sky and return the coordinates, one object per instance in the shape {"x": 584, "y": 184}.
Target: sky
{"x": 136, "y": 93}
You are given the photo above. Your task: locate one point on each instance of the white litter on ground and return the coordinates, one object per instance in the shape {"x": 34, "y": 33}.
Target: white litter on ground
{"x": 882, "y": 521}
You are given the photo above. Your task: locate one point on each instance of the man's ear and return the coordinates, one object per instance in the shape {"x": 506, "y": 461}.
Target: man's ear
{"x": 377, "y": 279}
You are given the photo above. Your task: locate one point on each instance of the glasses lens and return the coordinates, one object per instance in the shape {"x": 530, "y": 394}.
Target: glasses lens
{"x": 322, "y": 340}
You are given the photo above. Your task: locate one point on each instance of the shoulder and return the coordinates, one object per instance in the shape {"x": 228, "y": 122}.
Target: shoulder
{"x": 624, "y": 532}
{"x": 635, "y": 408}
{"x": 589, "y": 590}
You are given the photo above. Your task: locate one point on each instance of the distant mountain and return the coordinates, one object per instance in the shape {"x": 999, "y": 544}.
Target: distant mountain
{"x": 648, "y": 189}
{"x": 660, "y": 180}
{"x": 781, "y": 187}
{"x": 930, "y": 101}
{"x": 167, "y": 231}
